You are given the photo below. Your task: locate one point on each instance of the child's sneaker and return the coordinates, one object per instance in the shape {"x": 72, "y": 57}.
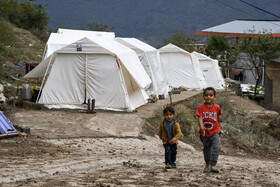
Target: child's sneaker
{"x": 173, "y": 165}
{"x": 215, "y": 170}
{"x": 206, "y": 170}
{"x": 167, "y": 166}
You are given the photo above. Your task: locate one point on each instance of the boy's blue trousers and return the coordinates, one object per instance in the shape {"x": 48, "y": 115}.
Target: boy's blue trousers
{"x": 170, "y": 153}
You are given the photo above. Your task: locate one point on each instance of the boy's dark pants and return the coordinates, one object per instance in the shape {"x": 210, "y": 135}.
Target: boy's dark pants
{"x": 212, "y": 148}
{"x": 170, "y": 153}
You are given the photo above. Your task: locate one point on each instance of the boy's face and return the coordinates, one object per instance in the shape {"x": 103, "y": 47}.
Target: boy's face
{"x": 209, "y": 96}
{"x": 168, "y": 116}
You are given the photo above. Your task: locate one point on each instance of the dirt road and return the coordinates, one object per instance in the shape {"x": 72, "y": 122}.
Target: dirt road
{"x": 67, "y": 148}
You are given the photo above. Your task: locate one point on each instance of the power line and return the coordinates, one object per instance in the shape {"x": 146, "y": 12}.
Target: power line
{"x": 259, "y": 8}
{"x": 245, "y": 12}
{"x": 237, "y": 9}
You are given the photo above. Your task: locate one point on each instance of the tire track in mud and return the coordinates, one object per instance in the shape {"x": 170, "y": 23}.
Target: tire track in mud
{"x": 128, "y": 167}
{"x": 84, "y": 154}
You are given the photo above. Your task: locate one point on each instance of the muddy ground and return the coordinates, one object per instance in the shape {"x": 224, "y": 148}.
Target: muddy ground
{"x": 68, "y": 148}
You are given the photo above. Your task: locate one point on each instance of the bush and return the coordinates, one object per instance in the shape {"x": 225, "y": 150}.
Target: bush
{"x": 240, "y": 129}
{"x": 25, "y": 15}
{"x": 243, "y": 130}
{"x": 7, "y": 39}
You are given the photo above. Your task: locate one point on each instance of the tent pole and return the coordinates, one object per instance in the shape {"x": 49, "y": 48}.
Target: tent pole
{"x": 86, "y": 71}
{"x": 44, "y": 53}
{"x": 39, "y": 94}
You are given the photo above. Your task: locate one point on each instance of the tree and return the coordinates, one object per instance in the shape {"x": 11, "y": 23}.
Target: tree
{"x": 218, "y": 47}
{"x": 97, "y": 27}
{"x": 180, "y": 39}
{"x": 26, "y": 15}
{"x": 259, "y": 51}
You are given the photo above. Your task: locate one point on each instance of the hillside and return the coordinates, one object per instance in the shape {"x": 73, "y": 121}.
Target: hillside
{"x": 151, "y": 21}
{"x": 17, "y": 46}
{"x": 22, "y": 45}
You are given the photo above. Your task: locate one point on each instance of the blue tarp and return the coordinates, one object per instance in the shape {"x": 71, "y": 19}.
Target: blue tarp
{"x": 6, "y": 127}
{"x": 21, "y": 63}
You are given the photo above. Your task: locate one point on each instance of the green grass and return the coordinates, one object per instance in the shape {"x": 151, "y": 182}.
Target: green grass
{"x": 17, "y": 45}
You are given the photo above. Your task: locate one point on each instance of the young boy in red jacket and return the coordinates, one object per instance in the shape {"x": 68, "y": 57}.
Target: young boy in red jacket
{"x": 208, "y": 120}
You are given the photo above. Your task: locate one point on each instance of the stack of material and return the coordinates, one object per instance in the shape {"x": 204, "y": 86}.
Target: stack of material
{"x": 2, "y": 98}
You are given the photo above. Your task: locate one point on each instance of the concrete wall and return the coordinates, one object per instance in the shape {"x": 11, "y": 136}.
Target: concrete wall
{"x": 273, "y": 73}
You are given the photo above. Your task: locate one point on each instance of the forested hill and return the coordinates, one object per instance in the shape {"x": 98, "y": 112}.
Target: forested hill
{"x": 152, "y": 20}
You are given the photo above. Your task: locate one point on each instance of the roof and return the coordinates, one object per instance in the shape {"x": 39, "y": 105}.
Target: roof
{"x": 276, "y": 59}
{"x": 135, "y": 44}
{"x": 58, "y": 40}
{"x": 87, "y": 33}
{"x": 241, "y": 28}
{"x": 201, "y": 56}
{"x": 99, "y": 45}
{"x": 170, "y": 48}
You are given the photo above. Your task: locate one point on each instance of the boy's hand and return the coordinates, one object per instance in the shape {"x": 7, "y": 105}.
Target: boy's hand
{"x": 171, "y": 142}
{"x": 202, "y": 131}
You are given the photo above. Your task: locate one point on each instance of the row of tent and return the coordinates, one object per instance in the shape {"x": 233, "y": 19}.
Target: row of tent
{"x": 119, "y": 73}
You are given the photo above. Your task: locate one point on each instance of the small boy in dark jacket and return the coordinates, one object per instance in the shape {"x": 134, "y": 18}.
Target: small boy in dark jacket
{"x": 169, "y": 133}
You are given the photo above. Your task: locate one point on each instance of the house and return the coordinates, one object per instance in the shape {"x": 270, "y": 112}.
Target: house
{"x": 244, "y": 28}
{"x": 272, "y": 83}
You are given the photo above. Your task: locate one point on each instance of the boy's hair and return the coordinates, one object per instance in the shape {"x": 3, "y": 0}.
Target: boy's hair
{"x": 210, "y": 89}
{"x": 168, "y": 109}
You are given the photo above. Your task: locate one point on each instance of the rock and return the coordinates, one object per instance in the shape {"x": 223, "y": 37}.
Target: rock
{"x": 176, "y": 91}
{"x": 152, "y": 99}
{"x": 182, "y": 88}
{"x": 23, "y": 134}
{"x": 1, "y": 88}
{"x": 186, "y": 146}
{"x": 25, "y": 129}
{"x": 161, "y": 97}
{"x": 265, "y": 114}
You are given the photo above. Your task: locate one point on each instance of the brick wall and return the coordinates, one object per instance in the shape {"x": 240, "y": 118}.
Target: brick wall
{"x": 273, "y": 72}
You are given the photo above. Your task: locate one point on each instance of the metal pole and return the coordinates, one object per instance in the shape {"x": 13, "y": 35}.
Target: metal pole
{"x": 44, "y": 78}
{"x": 88, "y": 105}
{"x": 93, "y": 105}
{"x": 170, "y": 97}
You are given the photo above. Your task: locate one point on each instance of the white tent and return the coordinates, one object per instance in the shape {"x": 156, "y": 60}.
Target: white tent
{"x": 57, "y": 41}
{"x": 93, "y": 68}
{"x": 181, "y": 67}
{"x": 87, "y": 33}
{"x": 64, "y": 37}
{"x": 211, "y": 71}
{"x": 150, "y": 59}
